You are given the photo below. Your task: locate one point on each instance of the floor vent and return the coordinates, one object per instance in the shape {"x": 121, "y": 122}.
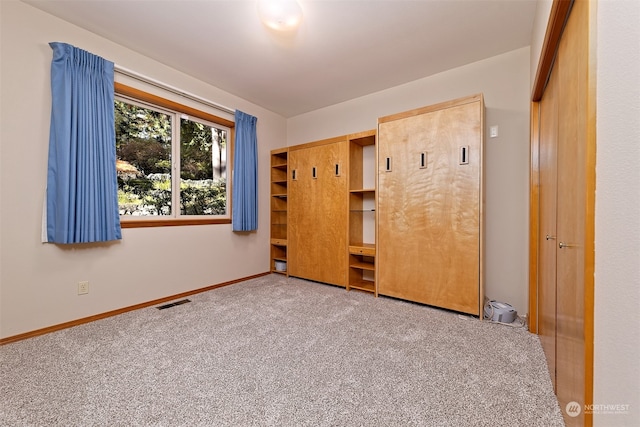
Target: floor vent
{"x": 173, "y": 304}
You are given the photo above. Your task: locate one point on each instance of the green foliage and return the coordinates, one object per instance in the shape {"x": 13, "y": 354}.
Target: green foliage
{"x": 134, "y": 122}
{"x": 148, "y": 156}
{"x": 199, "y": 199}
{"x": 143, "y": 140}
{"x": 145, "y": 196}
{"x": 197, "y": 149}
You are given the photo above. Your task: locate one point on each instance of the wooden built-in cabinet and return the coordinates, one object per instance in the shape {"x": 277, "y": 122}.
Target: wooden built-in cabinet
{"x": 279, "y": 210}
{"x": 430, "y": 199}
{"x": 396, "y": 211}
{"x": 362, "y": 215}
{"x": 318, "y": 211}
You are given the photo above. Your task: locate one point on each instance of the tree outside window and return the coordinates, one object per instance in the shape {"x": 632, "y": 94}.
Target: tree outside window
{"x": 156, "y": 175}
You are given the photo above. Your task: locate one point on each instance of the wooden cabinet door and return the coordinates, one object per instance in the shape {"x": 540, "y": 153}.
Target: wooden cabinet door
{"x": 429, "y": 204}
{"x": 318, "y": 213}
{"x": 331, "y": 237}
{"x": 302, "y": 214}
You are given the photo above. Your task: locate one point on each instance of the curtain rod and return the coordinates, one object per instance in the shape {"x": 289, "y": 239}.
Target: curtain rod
{"x": 171, "y": 89}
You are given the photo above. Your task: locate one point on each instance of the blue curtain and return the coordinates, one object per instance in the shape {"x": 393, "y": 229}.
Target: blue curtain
{"x": 82, "y": 188}
{"x": 245, "y": 174}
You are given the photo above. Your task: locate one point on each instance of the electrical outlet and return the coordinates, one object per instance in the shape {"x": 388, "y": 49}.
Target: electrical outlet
{"x": 83, "y": 287}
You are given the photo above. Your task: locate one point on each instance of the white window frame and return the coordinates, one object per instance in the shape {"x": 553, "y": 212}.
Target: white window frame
{"x": 178, "y": 111}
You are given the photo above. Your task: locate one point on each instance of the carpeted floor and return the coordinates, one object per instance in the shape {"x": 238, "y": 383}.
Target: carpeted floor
{"x": 274, "y": 351}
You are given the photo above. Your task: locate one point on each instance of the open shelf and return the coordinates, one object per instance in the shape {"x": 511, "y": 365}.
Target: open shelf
{"x": 362, "y": 212}
{"x": 279, "y": 211}
{"x": 363, "y": 285}
{"x": 363, "y": 265}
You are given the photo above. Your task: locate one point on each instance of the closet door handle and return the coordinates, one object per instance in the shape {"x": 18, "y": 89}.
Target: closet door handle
{"x": 337, "y": 169}
{"x": 294, "y": 175}
{"x": 387, "y": 164}
{"x": 548, "y": 237}
{"x": 314, "y": 172}
{"x": 562, "y": 245}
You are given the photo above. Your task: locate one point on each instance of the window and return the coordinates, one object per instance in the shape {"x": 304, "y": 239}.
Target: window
{"x": 171, "y": 162}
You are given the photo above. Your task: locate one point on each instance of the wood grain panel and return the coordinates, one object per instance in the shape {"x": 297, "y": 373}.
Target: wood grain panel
{"x": 547, "y": 205}
{"x": 573, "y": 56}
{"x": 431, "y": 108}
{"x": 333, "y": 210}
{"x": 429, "y": 218}
{"x": 318, "y": 213}
{"x": 301, "y": 217}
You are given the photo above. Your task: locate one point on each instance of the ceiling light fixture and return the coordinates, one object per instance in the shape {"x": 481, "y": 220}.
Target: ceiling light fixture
{"x": 280, "y": 15}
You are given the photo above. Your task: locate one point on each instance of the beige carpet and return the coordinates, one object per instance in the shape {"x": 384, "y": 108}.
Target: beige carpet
{"x": 274, "y": 351}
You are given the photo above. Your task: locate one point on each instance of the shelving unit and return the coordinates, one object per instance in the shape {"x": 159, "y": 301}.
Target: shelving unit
{"x": 362, "y": 214}
{"x": 279, "y": 211}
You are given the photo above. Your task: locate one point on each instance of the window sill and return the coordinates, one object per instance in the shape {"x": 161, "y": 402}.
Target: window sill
{"x": 129, "y": 223}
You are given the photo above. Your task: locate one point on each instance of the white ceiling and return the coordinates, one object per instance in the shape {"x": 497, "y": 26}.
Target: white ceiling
{"x": 343, "y": 49}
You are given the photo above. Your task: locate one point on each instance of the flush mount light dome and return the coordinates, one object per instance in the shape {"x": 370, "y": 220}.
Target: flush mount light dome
{"x": 280, "y": 15}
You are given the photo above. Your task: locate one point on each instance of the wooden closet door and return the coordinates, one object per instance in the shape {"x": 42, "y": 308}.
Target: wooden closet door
{"x": 567, "y": 131}
{"x": 576, "y": 156}
{"x": 318, "y": 214}
{"x": 547, "y": 242}
{"x": 429, "y": 217}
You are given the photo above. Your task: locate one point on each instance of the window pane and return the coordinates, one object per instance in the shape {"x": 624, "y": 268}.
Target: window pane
{"x": 203, "y": 169}
{"x": 143, "y": 150}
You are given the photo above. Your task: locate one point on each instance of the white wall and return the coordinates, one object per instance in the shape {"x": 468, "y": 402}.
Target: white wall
{"x": 38, "y": 282}
{"x": 541, "y": 19}
{"x": 617, "y": 269}
{"x": 504, "y": 81}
